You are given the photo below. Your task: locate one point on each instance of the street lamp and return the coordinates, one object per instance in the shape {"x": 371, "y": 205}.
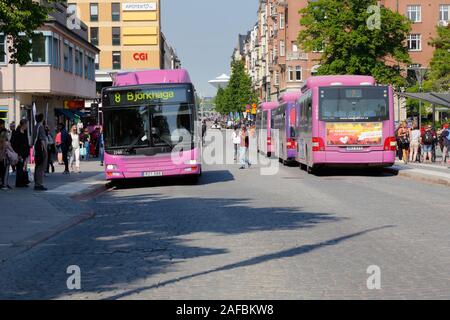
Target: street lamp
{"x": 420, "y": 75}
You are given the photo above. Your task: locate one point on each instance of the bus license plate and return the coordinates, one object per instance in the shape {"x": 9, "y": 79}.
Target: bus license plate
{"x": 153, "y": 174}
{"x": 355, "y": 148}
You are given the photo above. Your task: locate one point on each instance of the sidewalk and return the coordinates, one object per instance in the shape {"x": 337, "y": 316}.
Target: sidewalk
{"x": 435, "y": 173}
{"x": 28, "y": 217}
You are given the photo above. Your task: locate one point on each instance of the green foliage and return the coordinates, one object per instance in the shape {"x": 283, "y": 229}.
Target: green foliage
{"x": 340, "y": 28}
{"x": 18, "y": 21}
{"x": 238, "y": 93}
{"x": 439, "y": 76}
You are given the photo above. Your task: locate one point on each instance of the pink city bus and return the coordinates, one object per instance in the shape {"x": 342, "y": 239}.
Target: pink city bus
{"x": 345, "y": 121}
{"x": 284, "y": 121}
{"x": 263, "y": 127}
{"x": 150, "y": 126}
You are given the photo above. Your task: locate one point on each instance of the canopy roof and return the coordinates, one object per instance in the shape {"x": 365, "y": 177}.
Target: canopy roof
{"x": 441, "y": 99}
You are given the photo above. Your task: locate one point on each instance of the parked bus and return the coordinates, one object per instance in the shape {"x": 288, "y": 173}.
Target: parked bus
{"x": 263, "y": 127}
{"x": 345, "y": 121}
{"x": 284, "y": 121}
{"x": 151, "y": 126}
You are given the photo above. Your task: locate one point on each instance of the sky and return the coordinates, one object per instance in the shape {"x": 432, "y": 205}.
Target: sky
{"x": 204, "y": 34}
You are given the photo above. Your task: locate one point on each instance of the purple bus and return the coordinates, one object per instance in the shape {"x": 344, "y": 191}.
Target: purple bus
{"x": 263, "y": 127}
{"x": 150, "y": 126}
{"x": 284, "y": 121}
{"x": 345, "y": 121}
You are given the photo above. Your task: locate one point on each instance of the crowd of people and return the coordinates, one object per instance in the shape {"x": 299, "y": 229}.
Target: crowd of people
{"x": 420, "y": 144}
{"x": 67, "y": 148}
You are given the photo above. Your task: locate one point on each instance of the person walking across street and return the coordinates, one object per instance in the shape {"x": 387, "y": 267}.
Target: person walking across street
{"x": 244, "y": 144}
{"x": 76, "y": 146}
{"x": 41, "y": 154}
{"x": 236, "y": 142}
{"x": 414, "y": 143}
{"x": 21, "y": 146}
{"x": 428, "y": 140}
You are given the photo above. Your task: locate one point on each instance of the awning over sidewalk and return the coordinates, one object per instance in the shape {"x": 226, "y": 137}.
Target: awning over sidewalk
{"x": 70, "y": 114}
{"x": 441, "y": 99}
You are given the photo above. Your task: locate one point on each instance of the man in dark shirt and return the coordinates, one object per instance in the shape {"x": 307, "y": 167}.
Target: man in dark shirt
{"x": 21, "y": 145}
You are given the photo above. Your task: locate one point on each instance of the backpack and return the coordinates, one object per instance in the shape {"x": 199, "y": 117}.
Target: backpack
{"x": 428, "y": 138}
{"x": 446, "y": 136}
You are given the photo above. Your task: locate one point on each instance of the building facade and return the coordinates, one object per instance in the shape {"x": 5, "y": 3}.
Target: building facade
{"x": 277, "y": 64}
{"x": 60, "y": 75}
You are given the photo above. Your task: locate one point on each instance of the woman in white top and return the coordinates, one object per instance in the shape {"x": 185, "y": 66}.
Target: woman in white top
{"x": 414, "y": 143}
{"x": 75, "y": 154}
{"x": 236, "y": 142}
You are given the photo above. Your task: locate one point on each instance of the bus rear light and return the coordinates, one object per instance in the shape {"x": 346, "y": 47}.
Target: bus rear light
{"x": 318, "y": 144}
{"x": 269, "y": 141}
{"x": 390, "y": 144}
{"x": 291, "y": 144}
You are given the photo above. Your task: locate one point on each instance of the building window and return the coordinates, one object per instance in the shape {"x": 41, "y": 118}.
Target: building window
{"x": 115, "y": 11}
{"x": 277, "y": 78}
{"x": 97, "y": 62}
{"x": 94, "y": 11}
{"x": 298, "y": 73}
{"x": 38, "y": 49}
{"x": 116, "y": 36}
{"x": 282, "y": 49}
{"x": 94, "y": 35}
{"x": 2, "y": 49}
{"x": 116, "y": 60}
{"x": 294, "y": 47}
{"x": 77, "y": 62}
{"x": 444, "y": 12}
{"x": 66, "y": 57}
{"x": 291, "y": 74}
{"x": 414, "y": 42}
{"x": 70, "y": 58}
{"x": 56, "y": 53}
{"x": 86, "y": 66}
{"x": 414, "y": 13}
{"x": 282, "y": 21}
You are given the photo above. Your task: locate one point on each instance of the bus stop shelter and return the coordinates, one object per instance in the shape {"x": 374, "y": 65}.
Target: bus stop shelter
{"x": 439, "y": 101}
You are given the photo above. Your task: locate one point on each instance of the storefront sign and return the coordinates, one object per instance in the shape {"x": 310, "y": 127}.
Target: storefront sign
{"x": 140, "y": 56}
{"x": 351, "y": 134}
{"x": 74, "y": 104}
{"x": 147, "y": 6}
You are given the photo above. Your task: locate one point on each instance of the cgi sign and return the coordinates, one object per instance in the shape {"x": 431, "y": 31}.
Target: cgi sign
{"x": 140, "y": 56}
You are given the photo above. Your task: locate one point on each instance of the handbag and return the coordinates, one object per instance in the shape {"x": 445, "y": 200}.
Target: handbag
{"x": 82, "y": 152}
{"x": 12, "y": 157}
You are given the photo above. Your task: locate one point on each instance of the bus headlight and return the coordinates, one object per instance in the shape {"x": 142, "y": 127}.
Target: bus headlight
{"x": 111, "y": 167}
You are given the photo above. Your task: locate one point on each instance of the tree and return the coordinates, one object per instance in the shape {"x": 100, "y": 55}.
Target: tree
{"x": 357, "y": 37}
{"x": 18, "y": 21}
{"x": 219, "y": 101}
{"x": 239, "y": 91}
{"x": 439, "y": 74}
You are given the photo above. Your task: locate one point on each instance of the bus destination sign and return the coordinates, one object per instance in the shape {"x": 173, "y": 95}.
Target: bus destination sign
{"x": 146, "y": 96}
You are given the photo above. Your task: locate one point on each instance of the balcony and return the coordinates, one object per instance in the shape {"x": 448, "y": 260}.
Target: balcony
{"x": 293, "y": 56}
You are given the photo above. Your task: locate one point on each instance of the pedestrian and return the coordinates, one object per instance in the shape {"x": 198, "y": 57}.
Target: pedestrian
{"x": 59, "y": 155}
{"x": 204, "y": 128}
{"x": 12, "y": 128}
{"x": 21, "y": 145}
{"x": 101, "y": 146}
{"x": 66, "y": 146}
{"x": 403, "y": 137}
{"x": 236, "y": 141}
{"x": 7, "y": 157}
{"x": 40, "y": 151}
{"x": 414, "y": 143}
{"x": 427, "y": 141}
{"x": 51, "y": 150}
{"x": 75, "y": 154}
{"x": 85, "y": 139}
{"x": 244, "y": 144}
{"x": 445, "y": 134}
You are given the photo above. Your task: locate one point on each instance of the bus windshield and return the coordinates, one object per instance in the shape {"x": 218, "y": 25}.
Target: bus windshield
{"x": 354, "y": 104}
{"x": 164, "y": 125}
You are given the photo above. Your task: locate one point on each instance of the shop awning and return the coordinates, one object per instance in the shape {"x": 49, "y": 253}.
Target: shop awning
{"x": 70, "y": 114}
{"x": 441, "y": 99}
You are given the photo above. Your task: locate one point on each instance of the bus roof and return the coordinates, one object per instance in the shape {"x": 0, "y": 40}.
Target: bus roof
{"x": 344, "y": 80}
{"x": 151, "y": 77}
{"x": 268, "y": 105}
{"x": 289, "y": 96}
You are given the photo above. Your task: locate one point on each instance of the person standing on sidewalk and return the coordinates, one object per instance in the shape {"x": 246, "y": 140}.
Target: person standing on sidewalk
{"x": 101, "y": 146}
{"x": 41, "y": 155}
{"x": 244, "y": 144}
{"x": 75, "y": 154}
{"x": 85, "y": 139}
{"x": 21, "y": 146}
{"x": 59, "y": 156}
{"x": 51, "y": 150}
{"x": 66, "y": 145}
{"x": 403, "y": 136}
{"x": 428, "y": 140}
{"x": 414, "y": 143}
{"x": 445, "y": 134}
{"x": 236, "y": 142}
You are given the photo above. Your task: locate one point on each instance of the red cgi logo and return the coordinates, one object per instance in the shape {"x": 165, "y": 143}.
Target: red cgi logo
{"x": 140, "y": 56}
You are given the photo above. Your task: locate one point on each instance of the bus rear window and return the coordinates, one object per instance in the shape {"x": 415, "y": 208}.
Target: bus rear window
{"x": 354, "y": 104}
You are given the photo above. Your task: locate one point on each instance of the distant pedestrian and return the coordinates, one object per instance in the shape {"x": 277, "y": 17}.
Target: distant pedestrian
{"x": 204, "y": 128}
{"x": 51, "y": 150}
{"x": 85, "y": 139}
{"x": 236, "y": 142}
{"x": 59, "y": 155}
{"x": 6, "y": 158}
{"x": 66, "y": 147}
{"x": 41, "y": 155}
{"x": 244, "y": 144}
{"x": 75, "y": 154}
{"x": 101, "y": 146}
{"x": 21, "y": 146}
{"x": 428, "y": 141}
{"x": 414, "y": 143}
{"x": 445, "y": 134}
{"x": 3, "y": 130}
{"x": 403, "y": 137}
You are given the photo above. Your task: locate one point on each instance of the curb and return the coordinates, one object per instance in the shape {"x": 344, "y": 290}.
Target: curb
{"x": 418, "y": 177}
{"x": 27, "y": 244}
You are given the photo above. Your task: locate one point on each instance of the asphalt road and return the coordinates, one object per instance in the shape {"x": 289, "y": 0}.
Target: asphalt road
{"x": 241, "y": 235}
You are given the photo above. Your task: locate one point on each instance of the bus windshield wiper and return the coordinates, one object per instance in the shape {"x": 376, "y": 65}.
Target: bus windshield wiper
{"x": 135, "y": 142}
